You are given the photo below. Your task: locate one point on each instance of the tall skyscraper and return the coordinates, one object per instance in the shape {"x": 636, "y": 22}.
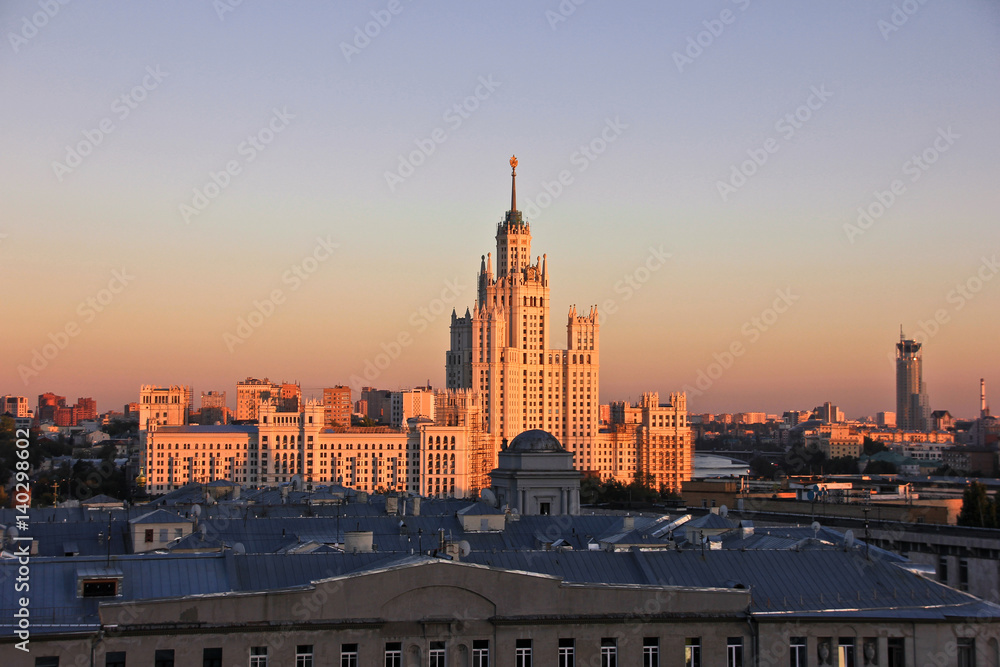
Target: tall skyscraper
{"x": 501, "y": 349}
{"x": 913, "y": 411}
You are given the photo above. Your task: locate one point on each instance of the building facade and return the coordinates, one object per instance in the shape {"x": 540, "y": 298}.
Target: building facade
{"x": 337, "y": 405}
{"x": 429, "y": 457}
{"x": 410, "y": 404}
{"x": 164, "y": 406}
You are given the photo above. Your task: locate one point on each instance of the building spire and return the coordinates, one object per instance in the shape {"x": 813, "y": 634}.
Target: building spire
{"x": 513, "y": 183}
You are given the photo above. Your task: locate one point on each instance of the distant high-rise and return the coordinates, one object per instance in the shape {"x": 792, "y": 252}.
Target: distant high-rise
{"x": 912, "y": 407}
{"x": 337, "y": 405}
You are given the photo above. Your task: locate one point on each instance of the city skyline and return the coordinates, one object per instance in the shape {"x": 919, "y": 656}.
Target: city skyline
{"x": 803, "y": 179}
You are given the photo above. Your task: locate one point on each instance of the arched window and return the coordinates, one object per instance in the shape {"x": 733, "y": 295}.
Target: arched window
{"x": 453, "y": 441}
{"x": 588, "y": 358}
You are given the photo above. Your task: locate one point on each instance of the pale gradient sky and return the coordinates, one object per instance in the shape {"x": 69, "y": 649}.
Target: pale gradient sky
{"x": 556, "y": 86}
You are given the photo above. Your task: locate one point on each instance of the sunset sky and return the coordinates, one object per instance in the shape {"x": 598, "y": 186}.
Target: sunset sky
{"x": 168, "y": 168}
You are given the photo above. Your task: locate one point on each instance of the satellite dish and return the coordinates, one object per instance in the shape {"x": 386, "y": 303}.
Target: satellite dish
{"x": 12, "y": 532}
{"x": 196, "y": 510}
{"x": 239, "y": 548}
{"x": 848, "y": 540}
{"x": 815, "y": 528}
{"x": 296, "y": 483}
{"x": 488, "y": 497}
{"x": 464, "y": 548}
{"x": 723, "y": 511}
{"x": 202, "y": 531}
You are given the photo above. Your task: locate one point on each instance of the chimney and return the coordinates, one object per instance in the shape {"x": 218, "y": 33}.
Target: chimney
{"x": 416, "y": 506}
{"x": 391, "y": 505}
{"x": 358, "y": 541}
{"x": 628, "y": 523}
{"x": 983, "y": 410}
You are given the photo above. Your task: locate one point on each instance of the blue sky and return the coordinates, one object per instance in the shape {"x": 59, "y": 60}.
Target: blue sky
{"x": 838, "y": 97}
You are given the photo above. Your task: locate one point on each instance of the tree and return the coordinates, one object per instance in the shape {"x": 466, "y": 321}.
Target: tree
{"x": 841, "y": 465}
{"x": 872, "y": 447}
{"x": 881, "y": 468}
{"x": 977, "y": 508}
{"x": 590, "y": 489}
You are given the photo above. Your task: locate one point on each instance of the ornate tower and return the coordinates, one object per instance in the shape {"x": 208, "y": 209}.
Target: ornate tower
{"x": 501, "y": 349}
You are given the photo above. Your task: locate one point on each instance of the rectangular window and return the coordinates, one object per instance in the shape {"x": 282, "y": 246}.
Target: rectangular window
{"x": 47, "y": 661}
{"x": 394, "y": 654}
{"x": 692, "y": 652}
{"x": 650, "y": 652}
{"x": 734, "y": 652}
{"x": 896, "y": 652}
{"x": 845, "y": 649}
{"x": 211, "y": 657}
{"x": 148, "y": 535}
{"x": 609, "y": 652}
{"x": 163, "y": 658}
{"x": 114, "y": 659}
{"x": 304, "y": 655}
{"x": 567, "y": 652}
{"x": 963, "y": 574}
{"x": 436, "y": 654}
{"x": 480, "y": 653}
{"x": 797, "y": 652}
{"x": 966, "y": 652}
{"x": 522, "y": 653}
{"x": 258, "y": 656}
{"x": 100, "y": 588}
{"x": 348, "y": 655}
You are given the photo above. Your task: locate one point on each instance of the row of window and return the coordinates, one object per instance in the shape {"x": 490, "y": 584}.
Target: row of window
{"x": 566, "y": 653}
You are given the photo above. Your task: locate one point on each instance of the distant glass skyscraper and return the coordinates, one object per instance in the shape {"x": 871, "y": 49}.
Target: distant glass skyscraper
{"x": 913, "y": 412}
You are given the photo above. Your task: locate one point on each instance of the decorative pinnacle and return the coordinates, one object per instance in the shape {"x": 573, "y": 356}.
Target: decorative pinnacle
{"x": 513, "y": 183}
